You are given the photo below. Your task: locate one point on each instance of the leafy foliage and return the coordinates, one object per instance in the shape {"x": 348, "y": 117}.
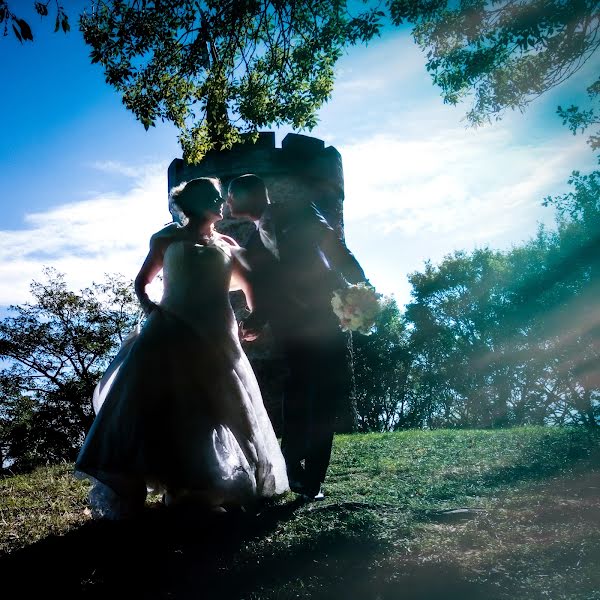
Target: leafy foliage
{"x": 578, "y": 120}
{"x": 220, "y": 69}
{"x": 514, "y": 337}
{"x": 21, "y": 28}
{"x": 492, "y": 338}
{"x": 382, "y": 362}
{"x": 55, "y": 350}
{"x": 504, "y": 53}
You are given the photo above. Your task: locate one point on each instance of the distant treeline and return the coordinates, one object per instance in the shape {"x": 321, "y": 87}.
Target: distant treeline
{"x": 491, "y": 339}
{"x": 494, "y": 339}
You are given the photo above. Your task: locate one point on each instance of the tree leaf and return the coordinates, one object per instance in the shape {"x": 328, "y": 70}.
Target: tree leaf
{"x": 41, "y": 9}
{"x": 25, "y": 30}
{"x": 17, "y": 33}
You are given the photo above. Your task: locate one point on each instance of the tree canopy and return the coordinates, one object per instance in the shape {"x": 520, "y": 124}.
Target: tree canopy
{"x": 220, "y": 68}
{"x": 503, "y": 54}
{"x": 54, "y": 350}
{"x": 514, "y": 337}
{"x": 216, "y": 68}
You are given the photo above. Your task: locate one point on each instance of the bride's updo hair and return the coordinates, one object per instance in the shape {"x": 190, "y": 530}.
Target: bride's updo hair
{"x": 193, "y": 198}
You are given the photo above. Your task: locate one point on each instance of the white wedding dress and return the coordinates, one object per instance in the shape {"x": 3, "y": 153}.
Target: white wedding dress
{"x": 179, "y": 410}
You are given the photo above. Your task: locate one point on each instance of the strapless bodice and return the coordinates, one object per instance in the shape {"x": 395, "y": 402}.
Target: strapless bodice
{"x": 196, "y": 282}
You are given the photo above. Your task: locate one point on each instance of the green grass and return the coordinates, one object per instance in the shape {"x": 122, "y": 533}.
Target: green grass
{"x": 384, "y": 530}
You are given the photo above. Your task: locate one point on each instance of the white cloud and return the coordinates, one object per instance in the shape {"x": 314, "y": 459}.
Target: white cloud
{"x": 135, "y": 172}
{"x": 385, "y": 63}
{"x": 85, "y": 240}
{"x": 116, "y": 168}
{"x": 452, "y": 182}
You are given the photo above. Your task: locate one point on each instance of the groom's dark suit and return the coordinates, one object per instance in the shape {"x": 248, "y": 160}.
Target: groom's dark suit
{"x": 293, "y": 283}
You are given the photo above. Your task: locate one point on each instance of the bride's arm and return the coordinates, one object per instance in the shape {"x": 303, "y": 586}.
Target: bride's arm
{"x": 252, "y": 325}
{"x": 150, "y": 269}
{"x": 239, "y": 276}
{"x": 239, "y": 280}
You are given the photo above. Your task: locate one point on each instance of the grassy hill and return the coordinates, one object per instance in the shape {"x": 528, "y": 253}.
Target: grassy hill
{"x": 412, "y": 515}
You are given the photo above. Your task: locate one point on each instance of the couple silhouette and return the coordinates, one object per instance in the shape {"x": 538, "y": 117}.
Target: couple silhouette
{"x": 179, "y": 411}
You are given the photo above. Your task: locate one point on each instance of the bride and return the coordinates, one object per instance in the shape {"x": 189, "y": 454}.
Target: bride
{"x": 179, "y": 410}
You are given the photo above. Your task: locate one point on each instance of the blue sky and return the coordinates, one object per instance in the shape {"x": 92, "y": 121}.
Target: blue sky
{"x": 84, "y": 186}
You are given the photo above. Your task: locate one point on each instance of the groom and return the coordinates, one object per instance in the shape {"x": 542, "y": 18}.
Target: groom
{"x": 297, "y": 261}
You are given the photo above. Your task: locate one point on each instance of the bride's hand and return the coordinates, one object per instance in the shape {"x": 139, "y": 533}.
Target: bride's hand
{"x": 251, "y": 328}
{"x": 148, "y": 307}
{"x": 250, "y": 335}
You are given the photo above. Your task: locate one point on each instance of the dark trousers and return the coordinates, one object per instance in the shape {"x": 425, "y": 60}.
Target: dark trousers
{"x": 316, "y": 386}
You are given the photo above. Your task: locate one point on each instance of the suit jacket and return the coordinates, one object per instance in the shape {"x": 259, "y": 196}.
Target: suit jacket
{"x": 294, "y": 292}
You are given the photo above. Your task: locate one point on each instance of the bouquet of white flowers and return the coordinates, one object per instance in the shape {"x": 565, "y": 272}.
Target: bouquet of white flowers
{"x": 357, "y": 307}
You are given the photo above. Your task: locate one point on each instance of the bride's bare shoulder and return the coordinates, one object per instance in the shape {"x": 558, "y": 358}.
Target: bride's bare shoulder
{"x": 167, "y": 233}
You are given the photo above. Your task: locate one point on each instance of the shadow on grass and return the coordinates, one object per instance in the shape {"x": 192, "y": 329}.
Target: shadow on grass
{"x": 156, "y": 555}
{"x": 542, "y": 543}
{"x": 169, "y": 554}
{"x": 541, "y": 459}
